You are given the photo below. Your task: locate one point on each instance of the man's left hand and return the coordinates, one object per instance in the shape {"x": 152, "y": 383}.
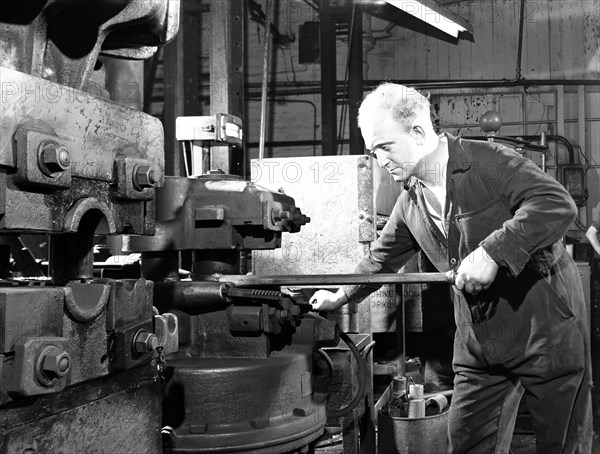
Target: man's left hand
{"x": 476, "y": 272}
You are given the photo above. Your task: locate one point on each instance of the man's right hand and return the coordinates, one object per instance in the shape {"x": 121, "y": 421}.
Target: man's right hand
{"x": 324, "y": 300}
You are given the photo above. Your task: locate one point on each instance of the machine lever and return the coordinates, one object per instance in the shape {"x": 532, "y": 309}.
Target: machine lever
{"x": 338, "y": 279}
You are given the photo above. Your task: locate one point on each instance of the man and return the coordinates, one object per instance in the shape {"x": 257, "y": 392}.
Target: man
{"x": 592, "y": 236}
{"x": 483, "y": 210}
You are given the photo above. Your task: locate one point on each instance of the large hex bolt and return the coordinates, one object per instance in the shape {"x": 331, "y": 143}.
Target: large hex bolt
{"x": 53, "y": 363}
{"x": 53, "y": 158}
{"x": 144, "y": 177}
{"x": 144, "y": 342}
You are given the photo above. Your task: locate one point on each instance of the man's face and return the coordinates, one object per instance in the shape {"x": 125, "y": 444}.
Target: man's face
{"x": 396, "y": 150}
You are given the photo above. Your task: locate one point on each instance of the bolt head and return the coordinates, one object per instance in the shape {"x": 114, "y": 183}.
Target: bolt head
{"x": 54, "y": 158}
{"x": 144, "y": 177}
{"x": 145, "y": 342}
{"x": 56, "y": 362}
{"x": 64, "y": 157}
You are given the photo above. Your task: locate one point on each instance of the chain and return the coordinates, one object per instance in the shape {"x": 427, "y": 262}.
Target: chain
{"x": 161, "y": 364}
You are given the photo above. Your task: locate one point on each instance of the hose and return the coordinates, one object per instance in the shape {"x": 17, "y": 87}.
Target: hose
{"x": 327, "y": 359}
{"x": 362, "y": 373}
{"x": 362, "y": 380}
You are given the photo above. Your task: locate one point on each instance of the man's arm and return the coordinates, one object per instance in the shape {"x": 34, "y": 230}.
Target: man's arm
{"x": 543, "y": 211}
{"x": 592, "y": 236}
{"x": 394, "y": 247}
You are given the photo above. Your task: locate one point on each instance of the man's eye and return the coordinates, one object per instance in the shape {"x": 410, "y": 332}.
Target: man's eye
{"x": 385, "y": 148}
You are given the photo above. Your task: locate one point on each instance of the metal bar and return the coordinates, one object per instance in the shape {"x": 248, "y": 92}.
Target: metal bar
{"x": 327, "y": 53}
{"x": 265, "y": 80}
{"x": 338, "y": 279}
{"x": 355, "y": 86}
{"x": 175, "y": 94}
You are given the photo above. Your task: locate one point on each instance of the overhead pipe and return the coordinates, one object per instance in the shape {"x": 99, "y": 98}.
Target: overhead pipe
{"x": 311, "y": 88}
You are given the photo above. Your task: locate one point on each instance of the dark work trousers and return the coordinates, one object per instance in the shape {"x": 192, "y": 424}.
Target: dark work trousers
{"x": 527, "y": 335}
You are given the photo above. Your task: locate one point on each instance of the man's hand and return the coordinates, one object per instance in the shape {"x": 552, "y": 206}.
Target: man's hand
{"x": 476, "y": 272}
{"x": 324, "y": 300}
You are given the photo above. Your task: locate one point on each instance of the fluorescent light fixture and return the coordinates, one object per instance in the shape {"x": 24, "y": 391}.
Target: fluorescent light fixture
{"x": 432, "y": 13}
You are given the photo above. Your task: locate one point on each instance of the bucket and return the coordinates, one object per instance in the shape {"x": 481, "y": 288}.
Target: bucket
{"x": 427, "y": 435}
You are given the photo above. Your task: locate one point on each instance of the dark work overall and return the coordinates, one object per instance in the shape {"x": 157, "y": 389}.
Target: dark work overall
{"x": 527, "y": 333}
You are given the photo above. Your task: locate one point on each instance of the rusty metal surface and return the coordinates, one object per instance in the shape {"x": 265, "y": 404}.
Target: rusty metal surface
{"x": 61, "y": 40}
{"x": 33, "y": 312}
{"x": 23, "y": 374}
{"x": 62, "y": 211}
{"x": 42, "y": 122}
{"x": 255, "y": 405}
{"x": 73, "y": 162}
{"x": 95, "y": 131}
{"x": 129, "y": 311}
{"x": 366, "y": 200}
{"x": 96, "y": 327}
{"x": 120, "y": 413}
{"x": 337, "y": 279}
{"x": 219, "y": 212}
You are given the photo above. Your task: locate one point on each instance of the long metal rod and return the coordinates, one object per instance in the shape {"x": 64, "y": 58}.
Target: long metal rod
{"x": 265, "y": 79}
{"x": 338, "y": 279}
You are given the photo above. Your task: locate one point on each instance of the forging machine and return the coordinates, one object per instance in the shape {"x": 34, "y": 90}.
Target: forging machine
{"x": 88, "y": 363}
{"x": 147, "y": 358}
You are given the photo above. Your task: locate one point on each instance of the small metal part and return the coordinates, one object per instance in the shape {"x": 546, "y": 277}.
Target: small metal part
{"x": 166, "y": 330}
{"x": 303, "y": 411}
{"x": 57, "y": 363}
{"x": 53, "y": 158}
{"x": 198, "y": 428}
{"x": 260, "y": 423}
{"x": 327, "y": 334}
{"x": 246, "y": 318}
{"x": 52, "y": 363}
{"x": 144, "y": 177}
{"x": 145, "y": 342}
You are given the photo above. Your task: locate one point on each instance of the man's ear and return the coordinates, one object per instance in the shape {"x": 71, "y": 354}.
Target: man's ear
{"x": 418, "y": 133}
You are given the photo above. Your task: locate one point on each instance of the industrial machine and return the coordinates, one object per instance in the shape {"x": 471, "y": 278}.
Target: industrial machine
{"x": 138, "y": 356}
{"x": 80, "y": 356}
{"x": 88, "y": 363}
{"x": 243, "y": 380}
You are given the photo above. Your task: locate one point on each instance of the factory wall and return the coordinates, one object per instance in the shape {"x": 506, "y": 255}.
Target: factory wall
{"x": 560, "y": 43}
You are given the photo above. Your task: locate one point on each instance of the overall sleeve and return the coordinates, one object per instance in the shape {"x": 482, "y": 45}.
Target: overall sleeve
{"x": 394, "y": 247}
{"x": 543, "y": 211}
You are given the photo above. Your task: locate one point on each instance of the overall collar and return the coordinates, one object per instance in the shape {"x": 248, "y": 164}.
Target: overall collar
{"x": 458, "y": 161}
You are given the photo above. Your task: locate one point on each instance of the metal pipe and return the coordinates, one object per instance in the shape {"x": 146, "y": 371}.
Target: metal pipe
{"x": 313, "y": 88}
{"x": 520, "y": 45}
{"x": 265, "y": 80}
{"x": 338, "y": 279}
{"x": 190, "y": 297}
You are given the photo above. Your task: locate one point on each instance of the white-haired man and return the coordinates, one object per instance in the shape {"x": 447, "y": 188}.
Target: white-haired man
{"x": 497, "y": 220}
